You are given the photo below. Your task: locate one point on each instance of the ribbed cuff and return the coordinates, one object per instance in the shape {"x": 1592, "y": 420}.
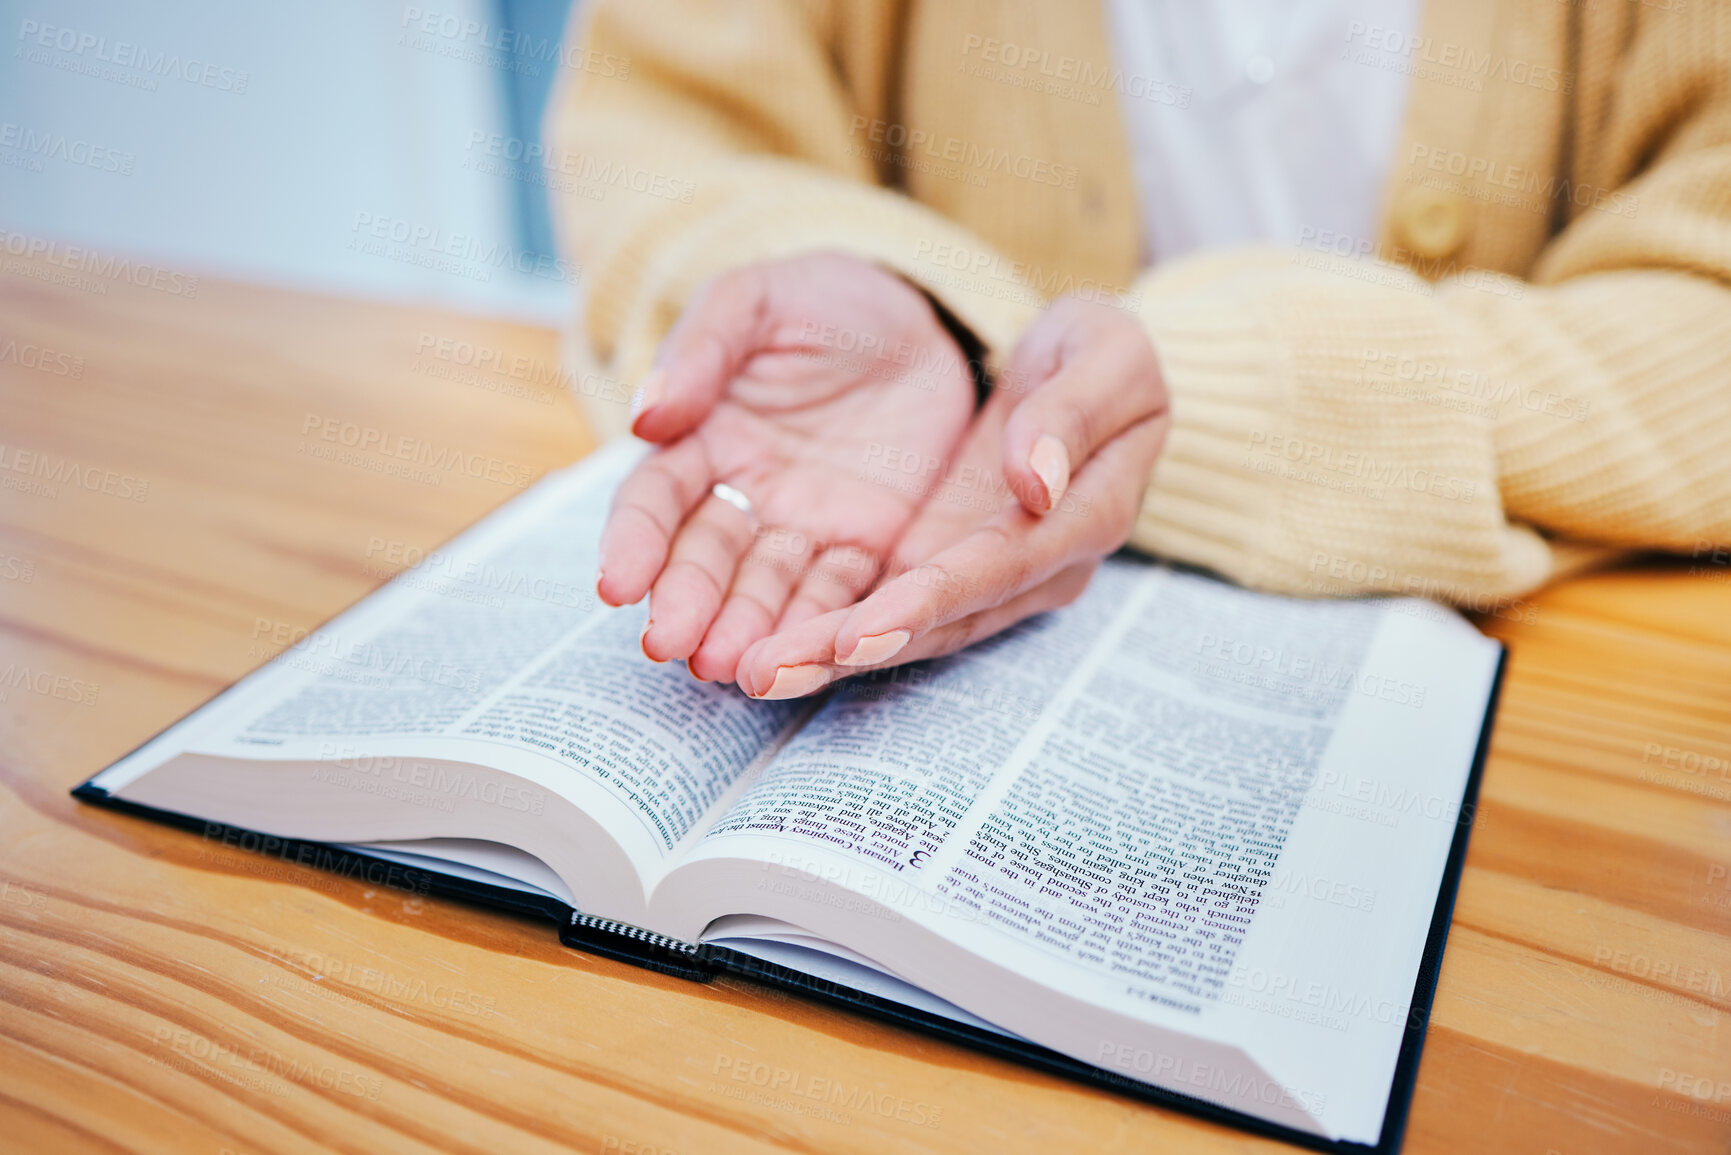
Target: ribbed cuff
{"x": 1309, "y": 452}
{"x": 1226, "y": 383}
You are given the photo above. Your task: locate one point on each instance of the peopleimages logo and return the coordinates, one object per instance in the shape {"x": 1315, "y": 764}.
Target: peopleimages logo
{"x": 48, "y": 684}
{"x": 1324, "y": 998}
{"x": 44, "y": 360}
{"x": 1219, "y": 654}
{"x": 77, "y": 259}
{"x": 969, "y": 155}
{"x": 46, "y": 473}
{"x": 437, "y": 778}
{"x": 1068, "y": 77}
{"x": 1447, "y": 62}
{"x": 802, "y": 1093}
{"x": 83, "y": 50}
{"x": 326, "y": 859}
{"x": 244, "y": 1066}
{"x": 39, "y": 146}
{"x": 432, "y": 247}
{"x": 1231, "y": 1086}
{"x": 382, "y": 446}
{"x": 462, "y": 38}
{"x": 529, "y": 161}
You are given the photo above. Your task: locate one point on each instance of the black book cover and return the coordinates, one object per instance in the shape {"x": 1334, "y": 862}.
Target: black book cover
{"x": 639, "y": 947}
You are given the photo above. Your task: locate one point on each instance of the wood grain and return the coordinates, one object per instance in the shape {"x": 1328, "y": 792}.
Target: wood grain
{"x": 163, "y": 993}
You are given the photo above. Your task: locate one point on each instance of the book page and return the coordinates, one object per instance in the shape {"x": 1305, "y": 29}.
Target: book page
{"x": 892, "y": 763}
{"x": 1138, "y": 835}
{"x": 1098, "y": 809}
{"x": 496, "y": 652}
{"x": 1111, "y": 784}
{"x": 1324, "y": 979}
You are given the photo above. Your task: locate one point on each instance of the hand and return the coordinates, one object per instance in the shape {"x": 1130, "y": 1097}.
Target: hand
{"x": 778, "y": 380}
{"x": 1084, "y": 386}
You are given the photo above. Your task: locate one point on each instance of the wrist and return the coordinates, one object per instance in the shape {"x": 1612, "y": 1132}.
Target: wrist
{"x": 974, "y": 351}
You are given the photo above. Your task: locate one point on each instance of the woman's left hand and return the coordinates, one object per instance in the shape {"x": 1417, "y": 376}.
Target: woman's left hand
{"x": 1049, "y": 482}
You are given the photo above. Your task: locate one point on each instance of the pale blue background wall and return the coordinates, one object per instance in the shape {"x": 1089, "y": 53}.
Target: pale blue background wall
{"x": 348, "y": 108}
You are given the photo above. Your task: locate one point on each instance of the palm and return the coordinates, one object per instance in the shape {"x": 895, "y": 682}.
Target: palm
{"x": 967, "y": 497}
{"x": 832, "y": 451}
{"x": 834, "y": 415}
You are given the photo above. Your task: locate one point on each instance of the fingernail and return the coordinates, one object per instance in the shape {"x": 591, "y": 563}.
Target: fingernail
{"x": 1050, "y": 461}
{"x": 643, "y": 640}
{"x": 796, "y": 681}
{"x": 875, "y": 648}
{"x": 648, "y": 393}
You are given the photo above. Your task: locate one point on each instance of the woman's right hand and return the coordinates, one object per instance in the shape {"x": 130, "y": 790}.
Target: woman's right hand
{"x": 786, "y": 381}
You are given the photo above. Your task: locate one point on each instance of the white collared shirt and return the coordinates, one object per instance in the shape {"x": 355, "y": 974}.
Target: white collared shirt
{"x": 1281, "y": 127}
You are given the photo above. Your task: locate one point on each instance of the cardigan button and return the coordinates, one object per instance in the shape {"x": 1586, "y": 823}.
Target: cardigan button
{"x": 1433, "y": 223}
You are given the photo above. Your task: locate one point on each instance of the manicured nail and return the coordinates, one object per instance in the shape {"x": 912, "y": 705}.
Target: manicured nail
{"x": 875, "y": 648}
{"x": 796, "y": 681}
{"x": 648, "y": 393}
{"x": 1049, "y": 459}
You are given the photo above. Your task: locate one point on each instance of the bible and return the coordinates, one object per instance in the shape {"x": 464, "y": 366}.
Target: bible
{"x": 1183, "y": 840}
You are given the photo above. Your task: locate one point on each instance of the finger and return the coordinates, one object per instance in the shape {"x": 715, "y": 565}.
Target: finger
{"x": 794, "y": 662}
{"x": 798, "y": 662}
{"x": 762, "y": 583}
{"x": 836, "y": 578}
{"x": 720, "y": 330}
{"x": 1013, "y": 552}
{"x": 1055, "y": 592}
{"x": 689, "y": 592}
{"x": 991, "y": 565}
{"x": 1091, "y": 397}
{"x": 648, "y": 508}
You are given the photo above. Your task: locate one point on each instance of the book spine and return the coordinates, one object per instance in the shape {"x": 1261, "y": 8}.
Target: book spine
{"x": 632, "y": 944}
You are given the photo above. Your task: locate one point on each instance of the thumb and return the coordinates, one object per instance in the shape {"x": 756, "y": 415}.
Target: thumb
{"x": 721, "y": 329}
{"x": 1106, "y": 380}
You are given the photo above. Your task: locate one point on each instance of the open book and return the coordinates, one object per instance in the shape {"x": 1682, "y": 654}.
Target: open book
{"x": 1176, "y": 836}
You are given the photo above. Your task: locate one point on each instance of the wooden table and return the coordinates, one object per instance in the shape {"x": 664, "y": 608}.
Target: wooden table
{"x": 1580, "y": 1000}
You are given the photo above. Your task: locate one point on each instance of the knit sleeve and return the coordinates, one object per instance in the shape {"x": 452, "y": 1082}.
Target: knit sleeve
{"x": 1348, "y": 427}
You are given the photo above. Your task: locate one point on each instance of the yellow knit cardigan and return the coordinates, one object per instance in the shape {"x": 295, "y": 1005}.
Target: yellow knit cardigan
{"x": 1535, "y": 348}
